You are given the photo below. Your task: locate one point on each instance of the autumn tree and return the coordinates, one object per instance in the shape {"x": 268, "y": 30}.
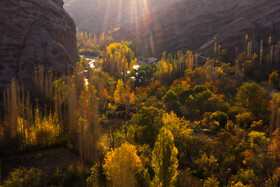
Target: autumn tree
{"x": 178, "y": 126}
{"x": 77, "y": 106}
{"x": 164, "y": 159}
{"x": 90, "y": 44}
{"x": 118, "y": 94}
{"x": 119, "y": 58}
{"x": 211, "y": 182}
{"x": 274, "y": 147}
{"x": 273, "y": 79}
{"x": 275, "y": 113}
{"x": 172, "y": 68}
{"x": 121, "y": 165}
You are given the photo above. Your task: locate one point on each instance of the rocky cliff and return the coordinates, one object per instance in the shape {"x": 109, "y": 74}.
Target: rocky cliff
{"x": 33, "y": 33}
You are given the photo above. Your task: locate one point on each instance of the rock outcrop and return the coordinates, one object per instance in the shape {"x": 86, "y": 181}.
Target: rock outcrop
{"x": 33, "y": 33}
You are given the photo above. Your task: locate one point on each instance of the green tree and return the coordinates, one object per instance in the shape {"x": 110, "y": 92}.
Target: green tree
{"x": 201, "y": 100}
{"x": 164, "y": 159}
{"x": 148, "y": 122}
{"x": 171, "y": 101}
{"x": 253, "y": 97}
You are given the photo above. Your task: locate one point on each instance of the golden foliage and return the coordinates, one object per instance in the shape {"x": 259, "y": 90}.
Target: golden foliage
{"x": 121, "y": 165}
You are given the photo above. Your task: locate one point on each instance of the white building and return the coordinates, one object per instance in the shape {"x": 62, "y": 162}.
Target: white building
{"x": 152, "y": 60}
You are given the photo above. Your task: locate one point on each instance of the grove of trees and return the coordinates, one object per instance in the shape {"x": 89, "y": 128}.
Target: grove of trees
{"x": 175, "y": 123}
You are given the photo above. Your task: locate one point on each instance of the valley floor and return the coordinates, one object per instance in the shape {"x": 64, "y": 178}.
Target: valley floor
{"x": 48, "y": 160}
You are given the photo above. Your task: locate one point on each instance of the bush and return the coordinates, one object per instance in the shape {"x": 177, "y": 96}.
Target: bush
{"x": 221, "y": 117}
{"x": 247, "y": 176}
{"x": 245, "y": 119}
{"x": 24, "y": 177}
{"x": 258, "y": 139}
{"x": 211, "y": 182}
{"x": 76, "y": 175}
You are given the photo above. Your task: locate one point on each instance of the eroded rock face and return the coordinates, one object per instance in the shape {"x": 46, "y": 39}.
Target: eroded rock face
{"x": 33, "y": 33}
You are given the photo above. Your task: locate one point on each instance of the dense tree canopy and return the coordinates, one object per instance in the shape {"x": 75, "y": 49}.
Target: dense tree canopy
{"x": 184, "y": 121}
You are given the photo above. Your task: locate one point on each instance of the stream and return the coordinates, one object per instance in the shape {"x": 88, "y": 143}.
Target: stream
{"x": 91, "y": 60}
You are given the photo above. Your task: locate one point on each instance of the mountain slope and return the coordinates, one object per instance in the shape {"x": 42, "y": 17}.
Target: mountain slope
{"x": 102, "y": 15}
{"x": 185, "y": 24}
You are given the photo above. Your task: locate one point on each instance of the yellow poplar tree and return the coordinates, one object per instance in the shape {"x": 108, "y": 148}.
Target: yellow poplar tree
{"x": 121, "y": 165}
{"x": 118, "y": 94}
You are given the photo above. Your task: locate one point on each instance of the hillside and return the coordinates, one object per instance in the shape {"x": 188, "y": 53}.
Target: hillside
{"x": 99, "y": 16}
{"x": 186, "y": 24}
